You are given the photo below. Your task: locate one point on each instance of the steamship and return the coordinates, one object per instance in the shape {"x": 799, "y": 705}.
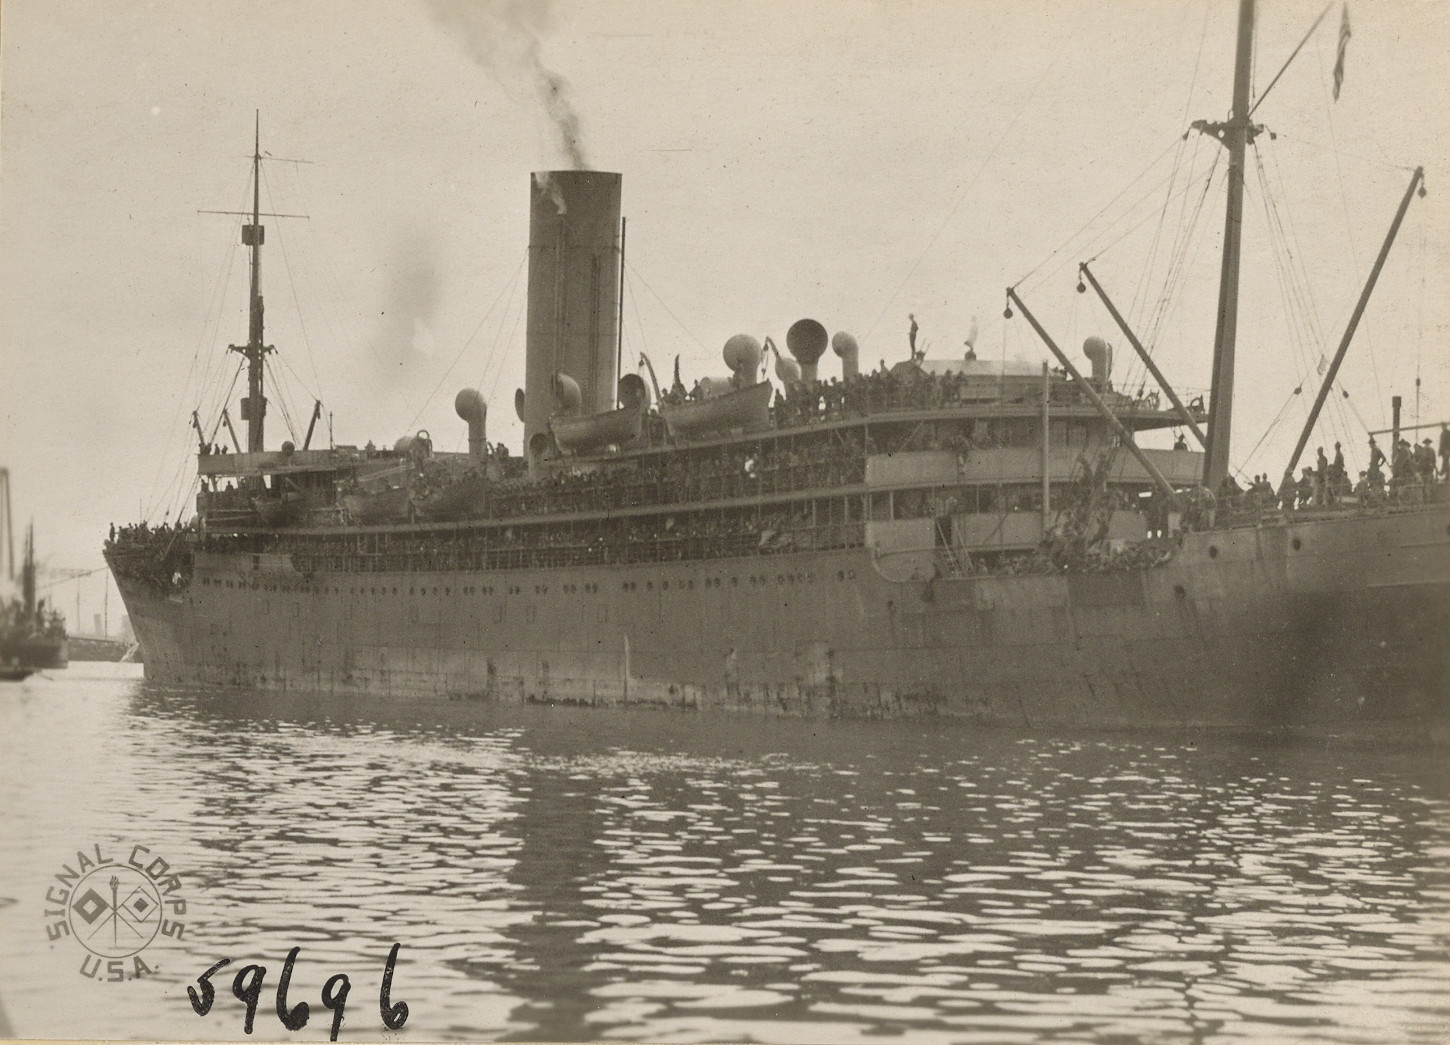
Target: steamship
{"x": 984, "y": 540}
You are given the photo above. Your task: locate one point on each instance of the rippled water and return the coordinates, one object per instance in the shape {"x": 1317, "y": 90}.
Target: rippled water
{"x": 579, "y": 874}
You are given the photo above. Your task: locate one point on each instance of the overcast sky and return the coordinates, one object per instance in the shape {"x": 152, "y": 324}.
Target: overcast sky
{"x": 848, "y": 160}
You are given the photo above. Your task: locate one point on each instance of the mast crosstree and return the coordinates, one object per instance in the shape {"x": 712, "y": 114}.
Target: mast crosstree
{"x": 254, "y": 406}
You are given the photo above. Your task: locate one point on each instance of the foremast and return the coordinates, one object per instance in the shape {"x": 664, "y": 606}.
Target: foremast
{"x": 1235, "y": 134}
{"x": 254, "y": 406}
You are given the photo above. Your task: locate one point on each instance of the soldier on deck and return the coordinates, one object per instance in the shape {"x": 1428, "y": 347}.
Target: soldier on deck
{"x": 1306, "y": 488}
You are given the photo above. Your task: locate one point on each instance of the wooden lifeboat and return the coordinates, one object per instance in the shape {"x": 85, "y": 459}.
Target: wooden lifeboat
{"x": 745, "y": 408}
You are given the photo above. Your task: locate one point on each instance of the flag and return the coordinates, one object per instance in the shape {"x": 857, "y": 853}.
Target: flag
{"x": 1343, "y": 43}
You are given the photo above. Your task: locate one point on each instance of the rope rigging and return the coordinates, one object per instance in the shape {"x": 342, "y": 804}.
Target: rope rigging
{"x": 507, "y": 290}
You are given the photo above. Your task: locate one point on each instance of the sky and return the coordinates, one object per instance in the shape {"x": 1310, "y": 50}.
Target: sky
{"x": 855, "y": 161}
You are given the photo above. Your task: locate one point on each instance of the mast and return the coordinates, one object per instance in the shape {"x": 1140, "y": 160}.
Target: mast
{"x": 254, "y": 406}
{"x": 27, "y": 572}
{"x": 1234, "y": 134}
{"x": 1353, "y": 325}
{"x": 7, "y": 522}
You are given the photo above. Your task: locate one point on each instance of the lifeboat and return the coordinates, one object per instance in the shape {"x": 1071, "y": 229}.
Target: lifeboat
{"x": 582, "y": 434}
{"x": 745, "y": 408}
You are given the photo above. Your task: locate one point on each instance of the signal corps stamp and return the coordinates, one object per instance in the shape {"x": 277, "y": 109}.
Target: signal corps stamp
{"x": 115, "y": 908}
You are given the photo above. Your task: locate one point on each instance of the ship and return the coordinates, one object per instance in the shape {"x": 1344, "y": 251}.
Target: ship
{"x": 982, "y": 541}
{"x": 32, "y": 634}
{"x": 101, "y": 648}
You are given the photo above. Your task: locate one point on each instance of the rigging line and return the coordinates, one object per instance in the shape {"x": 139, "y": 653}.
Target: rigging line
{"x": 1177, "y": 162}
{"x": 69, "y": 578}
{"x": 499, "y": 340}
{"x": 296, "y": 167}
{"x": 1127, "y": 232}
{"x": 1296, "y": 356}
{"x": 327, "y": 291}
{"x": 513, "y": 333}
{"x": 298, "y": 378}
{"x": 1337, "y": 422}
{"x": 296, "y": 301}
{"x": 1184, "y": 251}
{"x": 1274, "y": 175}
{"x": 1193, "y": 247}
{"x": 226, "y": 397}
{"x": 1152, "y": 258}
{"x": 462, "y": 349}
{"x": 1294, "y": 54}
{"x": 1302, "y": 335}
{"x": 1272, "y": 425}
{"x": 638, "y": 319}
{"x": 666, "y": 307}
{"x": 219, "y": 404}
{"x": 1307, "y": 144}
{"x": 279, "y": 393}
{"x": 185, "y": 496}
{"x": 1297, "y": 335}
{"x": 215, "y": 305}
{"x": 332, "y": 288}
{"x": 961, "y": 197}
{"x": 1106, "y": 207}
{"x": 1349, "y": 225}
{"x": 509, "y": 287}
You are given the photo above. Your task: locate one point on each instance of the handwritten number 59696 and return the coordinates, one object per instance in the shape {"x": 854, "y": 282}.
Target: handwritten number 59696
{"x": 247, "y": 986}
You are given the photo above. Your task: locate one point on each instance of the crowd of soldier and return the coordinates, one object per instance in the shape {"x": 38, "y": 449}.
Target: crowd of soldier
{"x": 1326, "y": 484}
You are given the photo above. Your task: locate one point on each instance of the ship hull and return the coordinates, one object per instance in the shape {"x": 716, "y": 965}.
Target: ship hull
{"x": 1318, "y": 623}
{"x": 36, "y": 652}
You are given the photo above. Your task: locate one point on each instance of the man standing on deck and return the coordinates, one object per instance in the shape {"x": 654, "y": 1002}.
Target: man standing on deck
{"x": 1376, "y": 459}
{"x": 1445, "y": 451}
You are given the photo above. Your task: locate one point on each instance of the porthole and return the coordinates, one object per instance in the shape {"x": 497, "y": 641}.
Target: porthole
{"x": 1180, "y": 591}
{"x": 1213, "y": 551}
{"x": 1296, "y": 544}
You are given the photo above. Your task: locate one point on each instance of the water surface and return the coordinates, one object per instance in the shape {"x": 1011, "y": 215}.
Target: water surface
{"x": 562, "y": 873}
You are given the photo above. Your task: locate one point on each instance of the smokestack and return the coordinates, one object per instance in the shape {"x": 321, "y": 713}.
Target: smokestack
{"x": 573, "y": 287}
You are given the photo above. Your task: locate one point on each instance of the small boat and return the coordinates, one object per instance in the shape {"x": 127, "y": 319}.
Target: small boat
{"x": 747, "y": 409}
{"x": 582, "y": 434}
{"x": 389, "y": 505}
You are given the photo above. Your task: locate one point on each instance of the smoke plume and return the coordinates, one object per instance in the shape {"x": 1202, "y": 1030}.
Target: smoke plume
{"x": 504, "y": 38}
